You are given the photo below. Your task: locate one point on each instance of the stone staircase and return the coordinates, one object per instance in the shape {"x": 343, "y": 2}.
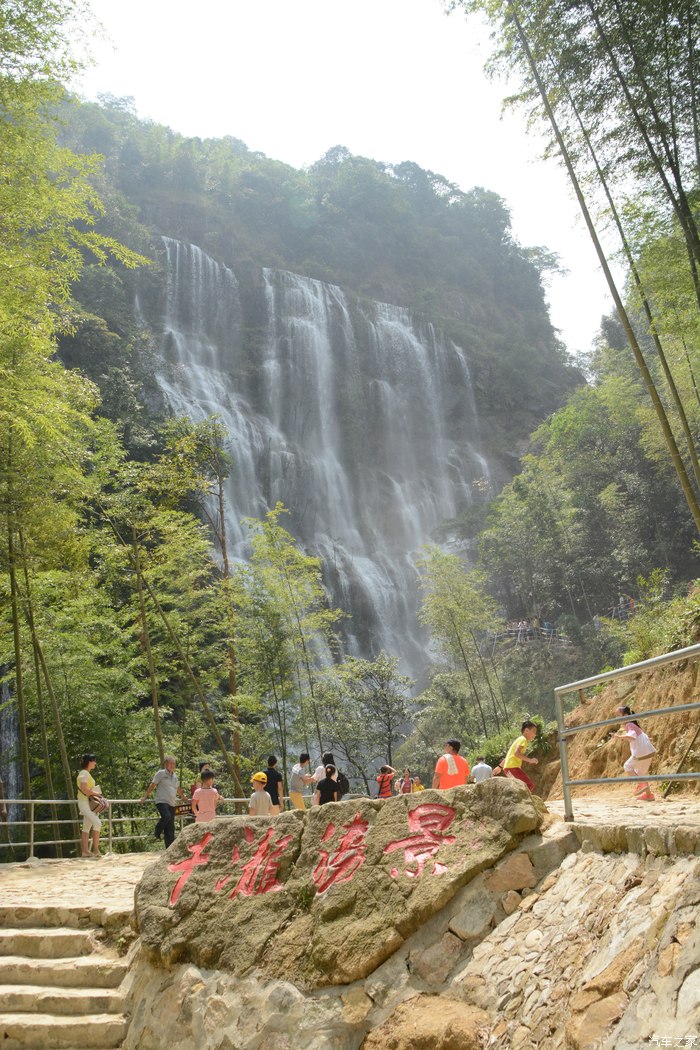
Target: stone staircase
{"x": 60, "y": 989}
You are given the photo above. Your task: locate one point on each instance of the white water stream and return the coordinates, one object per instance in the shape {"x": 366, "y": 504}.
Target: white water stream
{"x": 359, "y": 419}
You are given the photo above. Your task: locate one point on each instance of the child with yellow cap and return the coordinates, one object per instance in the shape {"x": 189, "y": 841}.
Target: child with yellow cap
{"x": 260, "y": 804}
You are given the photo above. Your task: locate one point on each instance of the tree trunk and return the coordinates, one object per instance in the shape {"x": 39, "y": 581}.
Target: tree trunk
{"x": 232, "y": 683}
{"x": 145, "y": 640}
{"x": 29, "y": 617}
{"x": 470, "y": 677}
{"x": 19, "y": 680}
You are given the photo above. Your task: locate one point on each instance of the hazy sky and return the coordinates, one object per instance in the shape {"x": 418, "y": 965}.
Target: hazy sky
{"x": 390, "y": 79}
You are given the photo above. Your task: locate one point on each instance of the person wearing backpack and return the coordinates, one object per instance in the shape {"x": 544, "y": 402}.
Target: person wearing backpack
{"x": 327, "y": 789}
{"x": 327, "y": 759}
{"x": 343, "y": 784}
{"x": 385, "y": 779}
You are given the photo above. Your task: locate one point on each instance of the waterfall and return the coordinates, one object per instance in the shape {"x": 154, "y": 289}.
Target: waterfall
{"x": 359, "y": 419}
{"x": 10, "y": 766}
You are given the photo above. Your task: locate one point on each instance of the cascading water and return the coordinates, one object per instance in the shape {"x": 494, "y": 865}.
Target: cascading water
{"x": 360, "y": 420}
{"x": 10, "y": 768}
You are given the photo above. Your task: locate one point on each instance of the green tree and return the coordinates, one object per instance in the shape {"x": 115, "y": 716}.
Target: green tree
{"x": 293, "y": 581}
{"x": 366, "y": 711}
{"x": 593, "y": 73}
{"x": 458, "y": 612}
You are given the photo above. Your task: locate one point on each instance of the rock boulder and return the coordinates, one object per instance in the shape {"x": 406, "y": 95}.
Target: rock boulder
{"x": 324, "y": 897}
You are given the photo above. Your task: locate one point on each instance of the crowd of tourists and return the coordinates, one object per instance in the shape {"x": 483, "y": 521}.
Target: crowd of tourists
{"x": 328, "y": 784}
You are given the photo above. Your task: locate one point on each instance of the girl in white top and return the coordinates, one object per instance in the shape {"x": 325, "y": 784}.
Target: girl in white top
{"x": 91, "y": 822}
{"x": 642, "y": 752}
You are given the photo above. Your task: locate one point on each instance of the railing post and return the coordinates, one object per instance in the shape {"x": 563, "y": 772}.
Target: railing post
{"x": 109, "y": 829}
{"x": 31, "y": 829}
{"x": 563, "y": 759}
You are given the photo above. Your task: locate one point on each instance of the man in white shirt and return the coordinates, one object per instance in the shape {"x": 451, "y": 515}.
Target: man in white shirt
{"x": 299, "y": 779}
{"x": 482, "y": 770}
{"x": 167, "y": 790}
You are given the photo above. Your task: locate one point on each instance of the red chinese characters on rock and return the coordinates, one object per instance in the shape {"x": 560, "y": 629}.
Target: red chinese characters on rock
{"x": 198, "y": 859}
{"x": 259, "y": 874}
{"x": 341, "y": 865}
{"x": 428, "y": 824}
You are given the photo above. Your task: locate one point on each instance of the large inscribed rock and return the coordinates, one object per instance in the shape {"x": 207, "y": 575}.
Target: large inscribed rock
{"x": 324, "y": 897}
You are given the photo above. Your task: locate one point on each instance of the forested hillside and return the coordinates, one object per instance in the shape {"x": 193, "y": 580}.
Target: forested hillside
{"x": 393, "y": 233}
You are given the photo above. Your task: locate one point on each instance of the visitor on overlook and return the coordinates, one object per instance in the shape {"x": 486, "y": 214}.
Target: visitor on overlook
{"x": 384, "y": 779}
{"x": 642, "y": 752}
{"x": 205, "y": 799}
{"x": 167, "y": 789}
{"x": 88, "y": 789}
{"x": 327, "y": 789}
{"x": 299, "y": 779}
{"x": 418, "y": 784}
{"x": 198, "y": 783}
{"x": 451, "y": 769}
{"x": 405, "y": 786}
{"x": 320, "y": 771}
{"x": 260, "y": 804}
{"x": 513, "y": 762}
{"x": 274, "y": 782}
{"x": 482, "y": 770}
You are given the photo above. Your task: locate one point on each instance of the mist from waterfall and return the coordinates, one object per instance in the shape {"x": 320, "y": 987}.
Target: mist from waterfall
{"x": 361, "y": 420}
{"x": 10, "y": 766}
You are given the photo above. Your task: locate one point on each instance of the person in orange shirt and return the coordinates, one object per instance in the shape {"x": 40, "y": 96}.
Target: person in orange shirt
{"x": 451, "y": 769}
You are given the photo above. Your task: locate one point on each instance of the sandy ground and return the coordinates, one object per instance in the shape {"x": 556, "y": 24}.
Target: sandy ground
{"x": 626, "y": 811}
{"x": 74, "y": 882}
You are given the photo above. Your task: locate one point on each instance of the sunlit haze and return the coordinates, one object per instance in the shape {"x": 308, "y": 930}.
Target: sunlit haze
{"x": 394, "y": 80}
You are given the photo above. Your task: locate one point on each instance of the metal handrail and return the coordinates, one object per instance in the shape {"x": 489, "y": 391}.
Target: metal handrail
{"x": 690, "y": 652}
{"x": 109, "y": 818}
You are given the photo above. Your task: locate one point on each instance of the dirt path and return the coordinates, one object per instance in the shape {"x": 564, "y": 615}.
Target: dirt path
{"x": 623, "y": 810}
{"x": 74, "y": 882}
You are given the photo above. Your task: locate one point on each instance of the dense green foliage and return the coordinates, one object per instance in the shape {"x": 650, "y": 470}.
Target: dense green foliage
{"x": 608, "y": 493}
{"x": 121, "y": 631}
{"x": 615, "y": 86}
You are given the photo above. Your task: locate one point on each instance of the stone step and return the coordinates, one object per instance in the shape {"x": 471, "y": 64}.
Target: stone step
{"x": 41, "y": 943}
{"x": 20, "y": 1031}
{"x": 18, "y": 916}
{"x": 21, "y": 916}
{"x": 84, "y": 972}
{"x": 35, "y": 999}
